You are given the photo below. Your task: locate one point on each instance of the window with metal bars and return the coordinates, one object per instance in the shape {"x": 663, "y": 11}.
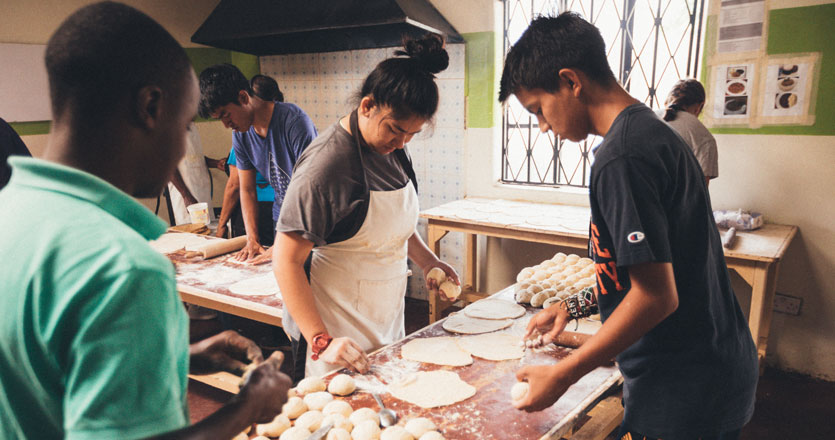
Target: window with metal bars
{"x": 650, "y": 44}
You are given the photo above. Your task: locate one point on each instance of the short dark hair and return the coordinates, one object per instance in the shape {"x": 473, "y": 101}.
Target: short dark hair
{"x": 220, "y": 85}
{"x": 265, "y": 88}
{"x": 104, "y": 52}
{"x": 549, "y": 45}
{"x": 685, "y": 93}
{"x": 406, "y": 82}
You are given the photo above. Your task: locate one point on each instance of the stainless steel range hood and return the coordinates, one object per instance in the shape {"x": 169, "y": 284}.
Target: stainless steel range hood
{"x": 271, "y": 27}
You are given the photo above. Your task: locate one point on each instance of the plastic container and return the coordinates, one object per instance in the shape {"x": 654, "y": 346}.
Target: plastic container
{"x": 199, "y": 212}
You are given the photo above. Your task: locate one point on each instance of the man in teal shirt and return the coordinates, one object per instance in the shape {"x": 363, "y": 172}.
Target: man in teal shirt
{"x": 94, "y": 339}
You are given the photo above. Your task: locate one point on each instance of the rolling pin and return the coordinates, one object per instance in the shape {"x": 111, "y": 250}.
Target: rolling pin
{"x": 571, "y": 339}
{"x": 219, "y": 247}
{"x": 729, "y": 238}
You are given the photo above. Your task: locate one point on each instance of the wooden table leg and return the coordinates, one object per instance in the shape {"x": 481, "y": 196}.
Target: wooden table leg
{"x": 434, "y": 236}
{"x": 471, "y": 246}
{"x": 763, "y": 289}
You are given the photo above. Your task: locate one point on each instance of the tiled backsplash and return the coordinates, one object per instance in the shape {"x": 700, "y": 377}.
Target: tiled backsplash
{"x": 324, "y": 84}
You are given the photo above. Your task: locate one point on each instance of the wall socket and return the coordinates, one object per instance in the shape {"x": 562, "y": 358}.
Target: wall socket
{"x": 787, "y": 304}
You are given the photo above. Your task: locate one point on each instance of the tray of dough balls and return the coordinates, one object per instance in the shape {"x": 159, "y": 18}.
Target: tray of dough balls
{"x": 453, "y": 382}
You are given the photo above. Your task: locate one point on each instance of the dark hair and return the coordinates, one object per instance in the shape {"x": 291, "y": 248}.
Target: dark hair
{"x": 220, "y": 85}
{"x": 265, "y": 88}
{"x": 685, "y": 93}
{"x": 549, "y": 45}
{"x": 406, "y": 83}
{"x": 104, "y": 52}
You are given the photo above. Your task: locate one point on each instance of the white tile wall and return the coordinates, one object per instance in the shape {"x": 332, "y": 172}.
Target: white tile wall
{"x": 323, "y": 85}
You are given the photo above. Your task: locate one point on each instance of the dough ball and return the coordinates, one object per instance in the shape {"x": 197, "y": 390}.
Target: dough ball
{"x": 559, "y": 257}
{"x": 338, "y": 407}
{"x": 310, "y": 420}
{"x": 524, "y": 274}
{"x": 432, "y": 435}
{"x": 241, "y": 436}
{"x": 559, "y": 287}
{"x": 437, "y": 274}
{"x": 450, "y": 289}
{"x": 551, "y": 301}
{"x": 570, "y": 290}
{"x": 338, "y": 434}
{"x": 519, "y": 390}
{"x": 556, "y": 278}
{"x": 571, "y": 279}
{"x": 342, "y": 385}
{"x": 521, "y": 286}
{"x": 294, "y": 407}
{"x": 539, "y": 299}
{"x": 279, "y": 424}
{"x": 585, "y": 261}
{"x": 295, "y": 433}
{"x": 523, "y": 296}
{"x": 539, "y": 275}
{"x": 310, "y": 385}
{"x": 366, "y": 430}
{"x": 364, "y": 414}
{"x": 547, "y": 264}
{"x": 419, "y": 426}
{"x": 536, "y": 288}
{"x": 339, "y": 421}
{"x": 318, "y": 400}
{"x": 396, "y": 433}
{"x": 571, "y": 259}
{"x": 580, "y": 284}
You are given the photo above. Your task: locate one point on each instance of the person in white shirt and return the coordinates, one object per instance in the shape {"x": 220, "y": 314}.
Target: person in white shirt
{"x": 684, "y": 104}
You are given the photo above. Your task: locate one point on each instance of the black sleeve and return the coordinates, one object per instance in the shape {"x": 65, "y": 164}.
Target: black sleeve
{"x": 10, "y": 145}
{"x": 628, "y": 192}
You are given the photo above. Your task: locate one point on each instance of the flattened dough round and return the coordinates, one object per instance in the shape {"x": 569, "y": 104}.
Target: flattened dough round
{"x": 494, "y": 309}
{"x": 441, "y": 351}
{"x": 258, "y": 286}
{"x": 174, "y": 241}
{"x": 461, "y": 323}
{"x": 493, "y": 346}
{"x": 431, "y": 389}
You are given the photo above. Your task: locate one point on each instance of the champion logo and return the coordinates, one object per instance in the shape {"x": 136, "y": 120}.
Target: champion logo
{"x": 635, "y": 237}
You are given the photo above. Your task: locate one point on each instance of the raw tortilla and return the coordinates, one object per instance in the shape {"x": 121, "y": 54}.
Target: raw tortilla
{"x": 494, "y": 346}
{"x": 494, "y": 309}
{"x": 441, "y": 351}
{"x": 174, "y": 241}
{"x": 259, "y": 286}
{"x": 431, "y": 389}
{"x": 461, "y": 323}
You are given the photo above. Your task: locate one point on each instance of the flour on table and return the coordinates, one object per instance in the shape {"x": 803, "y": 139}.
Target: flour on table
{"x": 263, "y": 285}
{"x": 431, "y": 389}
{"x": 174, "y": 241}
{"x": 461, "y": 323}
{"x": 494, "y": 309}
{"x": 441, "y": 351}
{"x": 493, "y": 346}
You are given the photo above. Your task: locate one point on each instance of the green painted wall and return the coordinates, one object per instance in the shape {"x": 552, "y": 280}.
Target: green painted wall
{"x": 200, "y": 57}
{"x": 796, "y": 30}
{"x": 479, "y": 79}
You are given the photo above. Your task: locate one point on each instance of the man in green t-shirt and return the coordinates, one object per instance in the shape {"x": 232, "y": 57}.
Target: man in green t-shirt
{"x": 94, "y": 339}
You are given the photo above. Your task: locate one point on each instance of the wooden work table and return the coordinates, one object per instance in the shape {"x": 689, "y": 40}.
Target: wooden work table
{"x": 755, "y": 256}
{"x": 489, "y": 414}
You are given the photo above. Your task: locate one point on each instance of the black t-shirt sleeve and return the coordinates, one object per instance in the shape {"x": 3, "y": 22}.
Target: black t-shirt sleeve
{"x": 629, "y": 194}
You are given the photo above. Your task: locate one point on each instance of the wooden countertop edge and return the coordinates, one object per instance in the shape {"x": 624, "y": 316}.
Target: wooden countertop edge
{"x": 584, "y": 407}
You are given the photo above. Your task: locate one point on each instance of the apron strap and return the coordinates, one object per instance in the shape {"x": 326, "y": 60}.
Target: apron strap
{"x": 399, "y": 154}
{"x": 406, "y": 163}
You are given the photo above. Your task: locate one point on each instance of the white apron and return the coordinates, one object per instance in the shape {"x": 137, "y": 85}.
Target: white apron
{"x": 196, "y": 177}
{"x": 359, "y": 285}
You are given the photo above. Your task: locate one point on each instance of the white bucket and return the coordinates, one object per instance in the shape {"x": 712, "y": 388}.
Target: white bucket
{"x": 199, "y": 213}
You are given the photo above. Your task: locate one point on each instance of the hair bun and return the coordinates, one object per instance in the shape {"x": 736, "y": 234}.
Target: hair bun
{"x": 428, "y": 51}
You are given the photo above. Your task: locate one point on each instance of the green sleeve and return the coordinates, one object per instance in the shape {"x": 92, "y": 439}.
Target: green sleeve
{"x": 126, "y": 375}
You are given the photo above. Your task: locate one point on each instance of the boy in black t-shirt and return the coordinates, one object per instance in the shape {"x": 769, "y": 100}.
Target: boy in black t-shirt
{"x": 663, "y": 290}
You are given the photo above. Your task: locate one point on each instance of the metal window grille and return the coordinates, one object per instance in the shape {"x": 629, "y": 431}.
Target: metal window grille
{"x": 650, "y": 45}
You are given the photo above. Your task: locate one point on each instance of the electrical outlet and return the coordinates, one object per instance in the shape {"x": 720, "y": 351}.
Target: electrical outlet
{"x": 787, "y": 304}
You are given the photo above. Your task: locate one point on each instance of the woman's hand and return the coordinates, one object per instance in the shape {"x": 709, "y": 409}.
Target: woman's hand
{"x": 346, "y": 353}
{"x": 451, "y": 274}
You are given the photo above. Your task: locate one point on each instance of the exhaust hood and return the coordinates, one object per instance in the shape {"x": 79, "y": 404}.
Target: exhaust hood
{"x": 272, "y": 27}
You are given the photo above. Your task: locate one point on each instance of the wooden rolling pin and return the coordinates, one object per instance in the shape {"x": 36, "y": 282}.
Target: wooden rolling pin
{"x": 572, "y": 339}
{"x": 219, "y": 247}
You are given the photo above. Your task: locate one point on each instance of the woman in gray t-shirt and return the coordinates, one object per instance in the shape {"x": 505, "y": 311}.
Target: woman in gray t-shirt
{"x": 684, "y": 104}
{"x": 353, "y": 202}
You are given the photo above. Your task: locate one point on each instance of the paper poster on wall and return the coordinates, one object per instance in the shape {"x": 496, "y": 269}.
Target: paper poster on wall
{"x": 740, "y": 25}
{"x": 785, "y": 87}
{"x": 732, "y": 91}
